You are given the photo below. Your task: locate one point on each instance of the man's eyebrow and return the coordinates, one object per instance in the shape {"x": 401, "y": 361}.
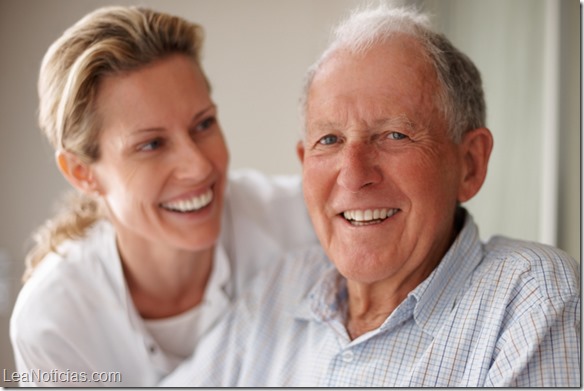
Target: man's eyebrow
{"x": 399, "y": 121}
{"x": 324, "y": 125}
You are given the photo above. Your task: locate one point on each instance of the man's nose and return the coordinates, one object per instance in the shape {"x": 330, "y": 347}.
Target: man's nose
{"x": 359, "y": 166}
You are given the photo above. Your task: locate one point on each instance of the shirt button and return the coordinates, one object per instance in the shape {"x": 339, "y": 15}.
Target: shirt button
{"x": 348, "y": 356}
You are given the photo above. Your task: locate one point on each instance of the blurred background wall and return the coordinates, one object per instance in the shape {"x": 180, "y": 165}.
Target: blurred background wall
{"x": 256, "y": 53}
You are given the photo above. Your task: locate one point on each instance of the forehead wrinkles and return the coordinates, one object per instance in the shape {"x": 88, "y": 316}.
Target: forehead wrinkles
{"x": 352, "y": 89}
{"x": 383, "y": 121}
{"x": 356, "y": 112}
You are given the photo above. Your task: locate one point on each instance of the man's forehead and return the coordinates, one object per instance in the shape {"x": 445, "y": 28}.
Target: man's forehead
{"x": 399, "y": 121}
{"x": 398, "y": 48}
{"x": 382, "y": 70}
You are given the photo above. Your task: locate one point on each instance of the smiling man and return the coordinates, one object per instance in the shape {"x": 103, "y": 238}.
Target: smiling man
{"x": 378, "y": 144}
{"x": 402, "y": 292}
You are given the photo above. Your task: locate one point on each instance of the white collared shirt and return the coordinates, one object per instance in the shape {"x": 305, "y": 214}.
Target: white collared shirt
{"x": 74, "y": 319}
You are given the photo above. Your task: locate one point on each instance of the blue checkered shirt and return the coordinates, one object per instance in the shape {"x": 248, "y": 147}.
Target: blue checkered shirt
{"x": 504, "y": 314}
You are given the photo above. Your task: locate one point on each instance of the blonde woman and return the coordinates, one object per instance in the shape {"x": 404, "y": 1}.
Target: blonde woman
{"x": 159, "y": 238}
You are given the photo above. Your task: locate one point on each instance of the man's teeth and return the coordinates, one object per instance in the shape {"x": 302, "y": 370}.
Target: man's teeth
{"x": 192, "y": 204}
{"x": 368, "y": 214}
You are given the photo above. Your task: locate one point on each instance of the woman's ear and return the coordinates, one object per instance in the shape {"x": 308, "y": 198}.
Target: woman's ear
{"x": 78, "y": 173}
{"x": 476, "y": 145}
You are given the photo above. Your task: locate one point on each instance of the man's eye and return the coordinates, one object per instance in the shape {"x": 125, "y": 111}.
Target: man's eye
{"x": 328, "y": 139}
{"x": 396, "y": 136}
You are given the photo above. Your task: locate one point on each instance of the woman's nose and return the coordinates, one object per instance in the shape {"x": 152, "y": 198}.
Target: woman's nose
{"x": 192, "y": 163}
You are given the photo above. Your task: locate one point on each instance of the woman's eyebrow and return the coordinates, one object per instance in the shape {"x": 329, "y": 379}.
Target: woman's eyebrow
{"x": 204, "y": 111}
{"x": 155, "y": 129}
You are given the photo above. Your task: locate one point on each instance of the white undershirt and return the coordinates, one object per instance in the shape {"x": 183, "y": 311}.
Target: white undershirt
{"x": 177, "y": 336}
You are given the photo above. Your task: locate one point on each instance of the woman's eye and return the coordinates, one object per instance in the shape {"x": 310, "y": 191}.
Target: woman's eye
{"x": 396, "y": 136}
{"x": 205, "y": 124}
{"x": 328, "y": 139}
{"x": 151, "y": 145}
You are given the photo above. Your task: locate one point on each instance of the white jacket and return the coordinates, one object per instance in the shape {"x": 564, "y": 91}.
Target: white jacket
{"x": 74, "y": 322}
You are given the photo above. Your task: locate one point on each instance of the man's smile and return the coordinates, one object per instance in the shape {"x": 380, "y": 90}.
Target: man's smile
{"x": 360, "y": 217}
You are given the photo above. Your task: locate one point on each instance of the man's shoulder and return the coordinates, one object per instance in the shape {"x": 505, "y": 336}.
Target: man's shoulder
{"x": 551, "y": 271}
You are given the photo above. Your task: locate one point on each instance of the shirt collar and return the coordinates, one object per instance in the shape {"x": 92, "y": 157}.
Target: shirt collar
{"x": 436, "y": 296}
{"x": 217, "y": 286}
{"x": 430, "y": 302}
{"x": 329, "y": 296}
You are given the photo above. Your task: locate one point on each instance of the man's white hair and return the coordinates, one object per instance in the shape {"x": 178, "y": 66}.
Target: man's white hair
{"x": 460, "y": 98}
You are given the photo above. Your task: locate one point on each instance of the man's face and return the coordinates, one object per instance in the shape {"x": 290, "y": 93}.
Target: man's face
{"x": 381, "y": 175}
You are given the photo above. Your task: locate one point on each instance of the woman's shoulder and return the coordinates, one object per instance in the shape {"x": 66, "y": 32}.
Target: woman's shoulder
{"x": 265, "y": 217}
{"x": 78, "y": 257}
{"x": 253, "y": 183}
{"x": 66, "y": 278}
{"x": 272, "y": 206}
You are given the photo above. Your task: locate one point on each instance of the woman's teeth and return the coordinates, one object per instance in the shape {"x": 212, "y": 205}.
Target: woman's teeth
{"x": 368, "y": 215}
{"x": 192, "y": 204}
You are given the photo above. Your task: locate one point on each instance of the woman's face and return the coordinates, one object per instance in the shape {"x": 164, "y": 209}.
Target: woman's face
{"x": 163, "y": 162}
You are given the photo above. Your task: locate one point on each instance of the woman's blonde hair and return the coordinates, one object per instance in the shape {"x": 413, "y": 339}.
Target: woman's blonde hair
{"x": 106, "y": 42}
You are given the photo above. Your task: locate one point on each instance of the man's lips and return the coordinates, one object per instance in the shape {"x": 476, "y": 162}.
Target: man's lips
{"x": 368, "y": 216}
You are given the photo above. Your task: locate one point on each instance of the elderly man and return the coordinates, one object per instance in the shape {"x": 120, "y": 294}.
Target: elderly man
{"x": 402, "y": 291}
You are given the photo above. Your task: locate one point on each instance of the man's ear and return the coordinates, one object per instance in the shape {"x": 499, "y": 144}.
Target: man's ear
{"x": 300, "y": 151}
{"x": 78, "y": 173}
{"x": 476, "y": 145}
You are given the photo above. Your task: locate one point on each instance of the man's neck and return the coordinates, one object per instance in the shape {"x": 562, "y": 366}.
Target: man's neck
{"x": 370, "y": 304}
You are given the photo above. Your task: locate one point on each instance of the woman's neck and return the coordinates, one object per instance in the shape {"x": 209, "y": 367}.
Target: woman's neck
{"x": 164, "y": 281}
